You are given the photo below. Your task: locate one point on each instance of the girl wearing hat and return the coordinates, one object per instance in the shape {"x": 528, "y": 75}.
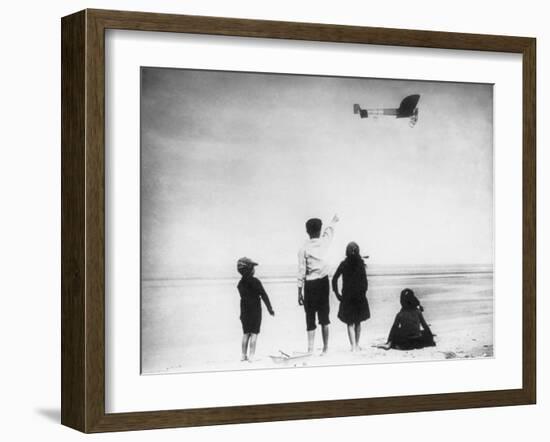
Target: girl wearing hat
{"x": 251, "y": 291}
{"x": 354, "y": 307}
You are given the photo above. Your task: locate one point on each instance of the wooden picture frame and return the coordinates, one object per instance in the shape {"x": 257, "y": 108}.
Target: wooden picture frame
{"x": 83, "y": 220}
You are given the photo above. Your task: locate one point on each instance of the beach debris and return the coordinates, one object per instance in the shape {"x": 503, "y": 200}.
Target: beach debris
{"x": 449, "y": 354}
{"x": 285, "y": 357}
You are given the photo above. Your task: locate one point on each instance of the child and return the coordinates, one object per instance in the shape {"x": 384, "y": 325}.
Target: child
{"x": 405, "y": 333}
{"x": 354, "y": 307}
{"x": 251, "y": 290}
{"x": 313, "y": 283}
{"x": 408, "y": 298}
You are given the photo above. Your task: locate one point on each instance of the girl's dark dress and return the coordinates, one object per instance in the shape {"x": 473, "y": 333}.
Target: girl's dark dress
{"x": 406, "y": 334}
{"x": 354, "y": 306}
{"x": 251, "y": 290}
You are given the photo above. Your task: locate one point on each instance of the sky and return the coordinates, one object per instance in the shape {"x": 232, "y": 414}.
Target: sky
{"x": 233, "y": 164}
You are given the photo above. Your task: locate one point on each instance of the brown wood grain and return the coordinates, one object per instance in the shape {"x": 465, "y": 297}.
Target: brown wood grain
{"x": 73, "y": 127}
{"x": 529, "y": 221}
{"x": 83, "y": 219}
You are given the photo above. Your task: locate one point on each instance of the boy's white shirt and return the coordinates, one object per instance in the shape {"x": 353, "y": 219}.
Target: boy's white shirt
{"x": 312, "y": 257}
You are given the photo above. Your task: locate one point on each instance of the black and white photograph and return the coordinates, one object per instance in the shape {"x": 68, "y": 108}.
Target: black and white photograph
{"x": 296, "y": 221}
{"x": 265, "y": 221}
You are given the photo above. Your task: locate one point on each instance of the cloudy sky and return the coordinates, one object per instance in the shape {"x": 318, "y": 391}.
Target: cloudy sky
{"x": 233, "y": 164}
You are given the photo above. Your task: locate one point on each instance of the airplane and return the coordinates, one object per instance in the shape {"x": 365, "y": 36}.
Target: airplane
{"x": 407, "y": 109}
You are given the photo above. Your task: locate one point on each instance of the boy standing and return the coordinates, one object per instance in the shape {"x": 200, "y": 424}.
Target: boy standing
{"x": 251, "y": 291}
{"x": 313, "y": 283}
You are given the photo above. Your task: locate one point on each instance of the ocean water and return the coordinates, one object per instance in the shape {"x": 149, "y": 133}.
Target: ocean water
{"x": 192, "y": 324}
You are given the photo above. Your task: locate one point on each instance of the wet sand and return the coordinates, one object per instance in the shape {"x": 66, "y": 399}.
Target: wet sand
{"x": 193, "y": 325}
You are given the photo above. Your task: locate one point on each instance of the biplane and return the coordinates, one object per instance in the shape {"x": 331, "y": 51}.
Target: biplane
{"x": 407, "y": 109}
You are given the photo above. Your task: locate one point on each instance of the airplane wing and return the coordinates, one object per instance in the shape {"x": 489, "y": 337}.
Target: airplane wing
{"x": 407, "y": 107}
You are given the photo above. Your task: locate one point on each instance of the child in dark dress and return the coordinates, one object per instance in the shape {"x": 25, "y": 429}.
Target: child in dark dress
{"x": 251, "y": 291}
{"x": 354, "y": 307}
{"x": 406, "y": 333}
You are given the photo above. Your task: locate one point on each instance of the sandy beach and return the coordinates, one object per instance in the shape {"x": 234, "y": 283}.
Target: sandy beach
{"x": 193, "y": 325}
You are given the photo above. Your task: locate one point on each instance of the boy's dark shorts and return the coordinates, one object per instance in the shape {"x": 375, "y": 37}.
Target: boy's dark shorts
{"x": 316, "y": 293}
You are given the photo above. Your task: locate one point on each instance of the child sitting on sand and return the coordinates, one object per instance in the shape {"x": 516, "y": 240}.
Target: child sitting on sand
{"x": 251, "y": 290}
{"x": 405, "y": 333}
{"x": 354, "y": 307}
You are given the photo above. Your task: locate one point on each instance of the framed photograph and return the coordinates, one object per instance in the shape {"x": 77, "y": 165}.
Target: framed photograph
{"x": 269, "y": 220}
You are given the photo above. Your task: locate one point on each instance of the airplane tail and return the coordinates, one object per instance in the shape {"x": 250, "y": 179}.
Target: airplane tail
{"x": 362, "y": 112}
